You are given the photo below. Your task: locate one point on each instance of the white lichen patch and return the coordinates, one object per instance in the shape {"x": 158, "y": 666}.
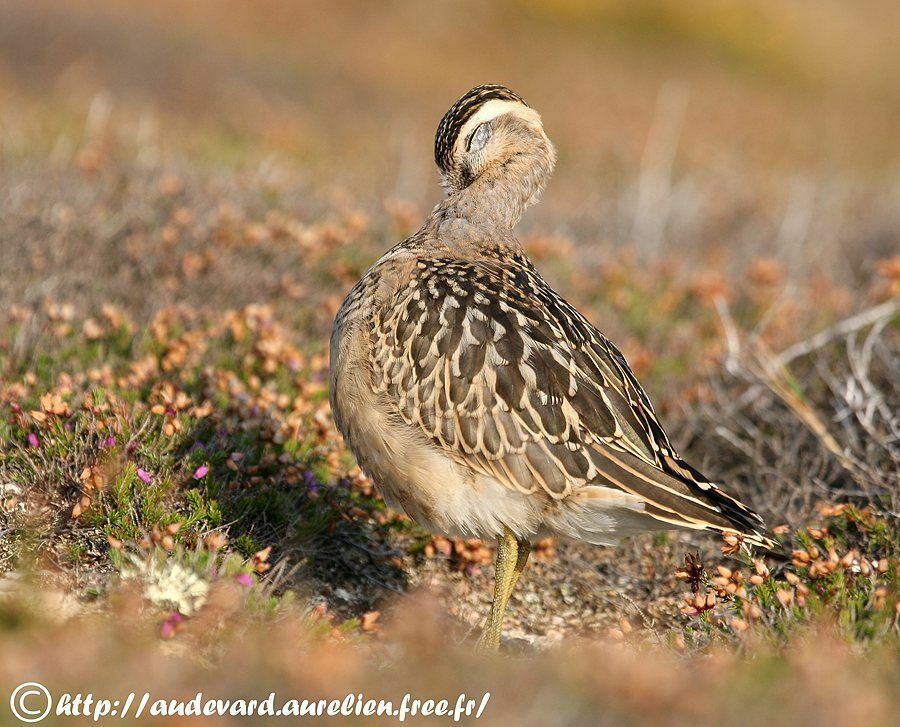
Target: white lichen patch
{"x": 169, "y": 585}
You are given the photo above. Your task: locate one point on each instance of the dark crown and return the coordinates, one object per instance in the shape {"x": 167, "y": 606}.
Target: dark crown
{"x": 460, "y": 113}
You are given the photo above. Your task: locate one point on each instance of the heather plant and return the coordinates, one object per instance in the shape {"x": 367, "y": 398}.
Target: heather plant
{"x": 180, "y": 218}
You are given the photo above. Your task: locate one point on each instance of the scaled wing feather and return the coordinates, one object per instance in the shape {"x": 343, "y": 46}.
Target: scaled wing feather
{"x": 505, "y": 376}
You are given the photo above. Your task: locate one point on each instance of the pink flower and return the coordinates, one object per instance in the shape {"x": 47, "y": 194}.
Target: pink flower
{"x": 201, "y": 472}
{"x": 245, "y": 579}
{"x": 144, "y": 476}
{"x": 108, "y": 442}
{"x": 33, "y": 439}
{"x": 168, "y": 627}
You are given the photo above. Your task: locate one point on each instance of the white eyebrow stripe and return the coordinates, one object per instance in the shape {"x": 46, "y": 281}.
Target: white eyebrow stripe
{"x": 491, "y": 110}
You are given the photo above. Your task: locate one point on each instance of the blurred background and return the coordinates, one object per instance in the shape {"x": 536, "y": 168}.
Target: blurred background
{"x": 675, "y": 121}
{"x": 689, "y": 133}
{"x": 188, "y": 188}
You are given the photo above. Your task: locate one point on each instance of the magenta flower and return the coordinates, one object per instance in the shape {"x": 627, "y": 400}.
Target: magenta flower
{"x": 201, "y": 472}
{"x": 33, "y": 439}
{"x": 108, "y": 442}
{"x": 167, "y": 628}
{"x": 245, "y": 579}
{"x": 144, "y": 476}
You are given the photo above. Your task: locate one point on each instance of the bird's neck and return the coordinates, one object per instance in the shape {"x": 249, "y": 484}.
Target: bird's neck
{"x": 499, "y": 196}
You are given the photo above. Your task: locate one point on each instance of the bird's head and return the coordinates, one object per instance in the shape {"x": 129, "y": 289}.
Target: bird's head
{"x": 492, "y": 134}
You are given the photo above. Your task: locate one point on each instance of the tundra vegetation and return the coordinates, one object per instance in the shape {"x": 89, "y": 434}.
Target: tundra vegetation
{"x": 188, "y": 190}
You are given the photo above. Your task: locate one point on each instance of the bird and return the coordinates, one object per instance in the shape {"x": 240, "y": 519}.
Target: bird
{"x": 480, "y": 402}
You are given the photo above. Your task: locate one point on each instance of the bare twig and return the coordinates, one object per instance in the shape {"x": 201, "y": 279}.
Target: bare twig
{"x": 772, "y": 371}
{"x": 843, "y": 328}
{"x": 777, "y": 376}
{"x": 732, "y": 339}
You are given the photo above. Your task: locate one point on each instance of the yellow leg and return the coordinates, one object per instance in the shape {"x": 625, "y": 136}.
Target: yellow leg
{"x": 512, "y": 555}
{"x": 523, "y": 551}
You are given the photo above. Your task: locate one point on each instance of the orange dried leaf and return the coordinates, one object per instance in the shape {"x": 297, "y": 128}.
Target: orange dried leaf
{"x": 368, "y": 621}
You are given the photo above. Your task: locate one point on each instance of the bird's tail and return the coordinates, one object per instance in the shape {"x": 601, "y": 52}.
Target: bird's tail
{"x": 677, "y": 494}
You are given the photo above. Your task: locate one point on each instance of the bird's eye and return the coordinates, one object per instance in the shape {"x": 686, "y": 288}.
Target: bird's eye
{"x": 479, "y": 137}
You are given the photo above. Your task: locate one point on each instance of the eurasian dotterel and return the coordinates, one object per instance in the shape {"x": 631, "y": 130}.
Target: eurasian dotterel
{"x": 480, "y": 402}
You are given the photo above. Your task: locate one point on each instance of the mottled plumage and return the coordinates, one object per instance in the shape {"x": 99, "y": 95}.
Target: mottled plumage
{"x": 481, "y": 402}
{"x": 508, "y": 379}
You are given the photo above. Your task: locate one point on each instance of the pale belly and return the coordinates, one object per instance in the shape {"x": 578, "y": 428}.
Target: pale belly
{"x": 438, "y": 493}
{"x": 412, "y": 474}
{"x": 448, "y": 498}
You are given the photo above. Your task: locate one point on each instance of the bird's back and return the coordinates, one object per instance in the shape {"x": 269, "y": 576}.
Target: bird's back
{"x": 456, "y": 347}
{"x": 478, "y": 356}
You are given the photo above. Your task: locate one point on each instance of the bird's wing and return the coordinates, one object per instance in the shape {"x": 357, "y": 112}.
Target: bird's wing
{"x": 506, "y": 377}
